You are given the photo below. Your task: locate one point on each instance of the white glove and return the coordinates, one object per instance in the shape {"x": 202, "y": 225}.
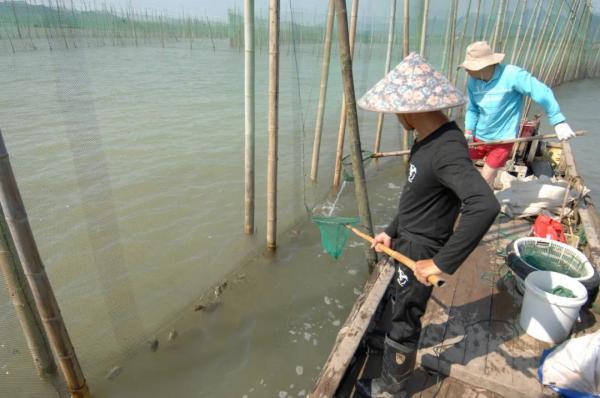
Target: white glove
{"x": 469, "y": 136}
{"x": 564, "y": 131}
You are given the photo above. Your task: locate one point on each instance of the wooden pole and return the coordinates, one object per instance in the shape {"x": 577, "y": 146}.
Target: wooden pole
{"x": 360, "y": 185}
{"x": 314, "y": 169}
{"x": 424, "y": 27}
{"x": 529, "y": 25}
{"x": 549, "y": 44}
{"x": 388, "y": 61}
{"x": 462, "y": 37}
{"x": 35, "y": 273}
{"x": 452, "y": 39}
{"x": 513, "y": 53}
{"x": 548, "y": 74}
{"x": 339, "y": 154}
{"x": 567, "y": 47}
{"x": 249, "y": 141}
{"x": 273, "y": 123}
{"x": 21, "y": 298}
{"x": 489, "y": 21}
{"x": 509, "y": 29}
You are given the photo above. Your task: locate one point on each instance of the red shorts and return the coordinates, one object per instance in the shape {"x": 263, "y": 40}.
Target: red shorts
{"x": 495, "y": 155}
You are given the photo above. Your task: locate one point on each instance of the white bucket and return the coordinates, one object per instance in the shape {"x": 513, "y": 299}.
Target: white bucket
{"x": 546, "y": 316}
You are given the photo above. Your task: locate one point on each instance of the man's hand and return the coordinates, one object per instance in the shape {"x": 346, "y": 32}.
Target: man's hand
{"x": 469, "y": 136}
{"x": 564, "y": 131}
{"x": 424, "y": 269}
{"x": 382, "y": 238}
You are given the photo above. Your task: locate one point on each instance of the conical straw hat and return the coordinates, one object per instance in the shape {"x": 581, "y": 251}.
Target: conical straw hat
{"x": 411, "y": 87}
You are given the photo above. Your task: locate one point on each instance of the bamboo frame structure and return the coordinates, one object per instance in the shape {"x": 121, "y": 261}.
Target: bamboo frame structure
{"x": 21, "y": 298}
{"x": 531, "y": 38}
{"x": 273, "y": 128}
{"x": 339, "y": 154}
{"x": 249, "y": 116}
{"x": 314, "y": 168}
{"x": 358, "y": 171}
{"x": 388, "y": 61}
{"x": 509, "y": 29}
{"x": 35, "y": 273}
{"x": 499, "y": 20}
{"x": 513, "y": 53}
{"x": 529, "y": 25}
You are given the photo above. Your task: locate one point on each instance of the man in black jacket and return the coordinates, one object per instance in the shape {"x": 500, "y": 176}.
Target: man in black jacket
{"x": 442, "y": 184}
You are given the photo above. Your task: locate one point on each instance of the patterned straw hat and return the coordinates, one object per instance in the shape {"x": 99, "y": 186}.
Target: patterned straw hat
{"x": 411, "y": 87}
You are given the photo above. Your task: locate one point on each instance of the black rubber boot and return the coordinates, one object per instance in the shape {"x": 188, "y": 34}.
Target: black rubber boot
{"x": 398, "y": 363}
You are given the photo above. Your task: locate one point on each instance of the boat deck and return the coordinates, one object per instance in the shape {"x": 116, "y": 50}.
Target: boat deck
{"x": 471, "y": 343}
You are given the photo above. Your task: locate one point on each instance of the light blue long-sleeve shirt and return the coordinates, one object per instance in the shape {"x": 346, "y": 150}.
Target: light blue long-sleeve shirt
{"x": 494, "y": 108}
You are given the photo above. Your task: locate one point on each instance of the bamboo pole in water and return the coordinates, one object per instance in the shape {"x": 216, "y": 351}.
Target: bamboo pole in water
{"x": 559, "y": 71}
{"x": 499, "y": 21}
{"x": 406, "y": 50}
{"x": 529, "y": 25}
{"x": 33, "y": 268}
{"x": 314, "y": 168}
{"x": 549, "y": 44}
{"x": 551, "y": 71}
{"x": 273, "y": 123}
{"x": 462, "y": 37}
{"x": 531, "y": 38}
{"x": 498, "y": 39}
{"x": 576, "y": 72}
{"x": 454, "y": 11}
{"x": 249, "y": 141}
{"x": 388, "y": 61}
{"x": 360, "y": 185}
{"x": 509, "y": 29}
{"x": 488, "y": 21}
{"x": 513, "y": 53}
{"x": 424, "y": 27}
{"x": 342, "y": 129}
{"x": 21, "y": 298}
{"x": 476, "y": 22}
{"x": 542, "y": 38}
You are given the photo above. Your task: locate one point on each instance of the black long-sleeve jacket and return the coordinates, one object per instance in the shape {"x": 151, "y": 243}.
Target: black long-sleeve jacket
{"x": 441, "y": 178}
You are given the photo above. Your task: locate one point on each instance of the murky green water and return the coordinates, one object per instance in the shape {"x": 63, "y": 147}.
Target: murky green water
{"x": 130, "y": 162}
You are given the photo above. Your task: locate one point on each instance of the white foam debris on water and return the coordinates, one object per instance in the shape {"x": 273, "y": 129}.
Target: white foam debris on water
{"x": 301, "y": 393}
{"x": 355, "y": 244}
{"x": 292, "y": 332}
{"x": 353, "y": 271}
{"x": 291, "y": 386}
{"x": 315, "y": 342}
{"x": 245, "y": 396}
{"x": 299, "y": 370}
{"x": 327, "y": 300}
{"x": 341, "y": 307}
{"x": 307, "y": 336}
{"x": 357, "y": 292}
{"x": 283, "y": 394}
{"x": 336, "y": 323}
{"x": 262, "y": 381}
{"x": 307, "y": 325}
{"x": 391, "y": 185}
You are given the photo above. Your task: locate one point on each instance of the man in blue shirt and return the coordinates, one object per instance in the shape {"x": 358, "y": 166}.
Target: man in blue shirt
{"x": 495, "y": 103}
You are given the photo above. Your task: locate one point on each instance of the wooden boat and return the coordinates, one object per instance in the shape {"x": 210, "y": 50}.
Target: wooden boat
{"x": 471, "y": 343}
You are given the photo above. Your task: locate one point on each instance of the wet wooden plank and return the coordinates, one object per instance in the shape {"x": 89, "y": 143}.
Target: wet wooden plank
{"x": 353, "y": 331}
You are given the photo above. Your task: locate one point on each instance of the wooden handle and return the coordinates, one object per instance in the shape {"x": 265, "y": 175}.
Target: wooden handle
{"x": 433, "y": 279}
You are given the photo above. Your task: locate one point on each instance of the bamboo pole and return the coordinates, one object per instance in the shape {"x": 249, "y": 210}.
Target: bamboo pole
{"x": 249, "y": 140}
{"x": 447, "y": 39}
{"x": 273, "y": 123}
{"x": 545, "y": 137}
{"x": 314, "y": 168}
{"x": 500, "y": 35}
{"x": 558, "y": 76}
{"x": 33, "y": 268}
{"x": 529, "y": 25}
{"x": 339, "y": 154}
{"x": 360, "y": 185}
{"x": 531, "y": 40}
{"x": 424, "y": 27}
{"x": 513, "y": 53}
{"x": 549, "y": 43}
{"x": 406, "y": 50}
{"x": 551, "y": 72}
{"x": 454, "y": 12}
{"x": 388, "y": 61}
{"x": 21, "y": 298}
{"x": 462, "y": 37}
{"x": 489, "y": 20}
{"x": 541, "y": 38}
{"x": 499, "y": 21}
{"x": 476, "y": 23}
{"x": 576, "y": 72}
{"x": 509, "y": 29}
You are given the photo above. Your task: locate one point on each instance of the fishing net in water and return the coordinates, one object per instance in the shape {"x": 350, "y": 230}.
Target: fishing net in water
{"x": 334, "y": 233}
{"x": 347, "y": 173}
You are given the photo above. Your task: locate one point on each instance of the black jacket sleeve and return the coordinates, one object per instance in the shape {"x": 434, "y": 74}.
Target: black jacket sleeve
{"x": 454, "y": 169}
